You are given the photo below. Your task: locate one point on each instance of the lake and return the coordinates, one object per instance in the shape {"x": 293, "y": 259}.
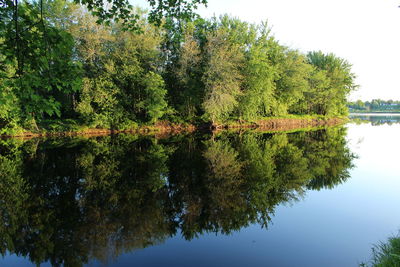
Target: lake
{"x": 307, "y": 198}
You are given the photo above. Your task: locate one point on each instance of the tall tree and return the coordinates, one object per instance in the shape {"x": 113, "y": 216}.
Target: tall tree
{"x": 222, "y": 77}
{"x": 46, "y": 74}
{"x": 260, "y": 73}
{"x": 339, "y": 82}
{"x": 292, "y": 83}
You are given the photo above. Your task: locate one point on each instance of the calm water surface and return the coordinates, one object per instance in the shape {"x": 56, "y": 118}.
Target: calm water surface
{"x": 318, "y": 198}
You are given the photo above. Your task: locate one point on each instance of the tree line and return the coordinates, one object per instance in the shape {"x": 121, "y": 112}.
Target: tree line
{"x": 58, "y": 63}
{"x": 63, "y": 200}
{"x": 375, "y": 105}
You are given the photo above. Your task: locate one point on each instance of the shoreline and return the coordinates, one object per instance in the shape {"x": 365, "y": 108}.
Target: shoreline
{"x": 283, "y": 124}
{"x": 374, "y": 114}
{"x": 168, "y": 128}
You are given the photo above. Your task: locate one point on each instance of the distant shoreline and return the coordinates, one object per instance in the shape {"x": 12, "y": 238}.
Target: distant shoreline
{"x": 375, "y": 113}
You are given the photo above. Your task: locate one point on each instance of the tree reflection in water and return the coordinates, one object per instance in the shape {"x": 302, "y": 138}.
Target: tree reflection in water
{"x": 69, "y": 201}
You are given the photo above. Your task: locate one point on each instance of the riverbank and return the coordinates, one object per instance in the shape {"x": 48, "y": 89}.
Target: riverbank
{"x": 160, "y": 128}
{"x": 284, "y": 123}
{"x": 165, "y": 127}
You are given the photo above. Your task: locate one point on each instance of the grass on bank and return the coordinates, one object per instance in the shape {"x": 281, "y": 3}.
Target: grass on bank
{"x": 70, "y": 126}
{"x": 236, "y": 121}
{"x": 386, "y": 254}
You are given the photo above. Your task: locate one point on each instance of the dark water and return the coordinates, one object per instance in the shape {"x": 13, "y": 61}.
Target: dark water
{"x": 317, "y": 198}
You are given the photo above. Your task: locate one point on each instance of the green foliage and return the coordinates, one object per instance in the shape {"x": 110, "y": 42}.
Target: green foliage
{"x": 222, "y": 76}
{"x": 9, "y": 108}
{"x": 386, "y": 254}
{"x": 293, "y": 82}
{"x": 122, "y": 84}
{"x": 375, "y": 105}
{"x": 154, "y": 103}
{"x": 187, "y": 90}
{"x": 45, "y": 75}
{"x": 258, "y": 98}
{"x": 238, "y": 70}
{"x": 99, "y": 104}
{"x": 121, "y": 11}
{"x": 64, "y": 65}
{"x": 332, "y": 80}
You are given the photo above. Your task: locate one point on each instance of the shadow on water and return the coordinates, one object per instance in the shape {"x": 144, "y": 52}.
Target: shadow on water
{"x": 71, "y": 201}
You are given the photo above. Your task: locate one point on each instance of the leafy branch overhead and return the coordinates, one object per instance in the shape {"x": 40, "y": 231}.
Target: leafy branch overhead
{"x": 121, "y": 10}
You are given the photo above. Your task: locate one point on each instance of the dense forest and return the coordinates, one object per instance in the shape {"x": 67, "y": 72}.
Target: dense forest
{"x": 70, "y": 201}
{"x": 60, "y": 67}
{"x": 375, "y": 105}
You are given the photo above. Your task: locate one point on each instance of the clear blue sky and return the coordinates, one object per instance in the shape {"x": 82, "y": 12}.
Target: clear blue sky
{"x": 365, "y": 32}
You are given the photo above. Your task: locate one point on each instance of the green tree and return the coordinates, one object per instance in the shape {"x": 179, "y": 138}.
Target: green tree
{"x": 10, "y": 113}
{"x": 293, "y": 82}
{"x": 333, "y": 81}
{"x": 222, "y": 76}
{"x": 154, "y": 103}
{"x": 122, "y": 84}
{"x": 258, "y": 96}
{"x": 46, "y": 75}
{"x": 187, "y": 90}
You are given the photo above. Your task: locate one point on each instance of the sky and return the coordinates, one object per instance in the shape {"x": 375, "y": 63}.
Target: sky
{"x": 364, "y": 32}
